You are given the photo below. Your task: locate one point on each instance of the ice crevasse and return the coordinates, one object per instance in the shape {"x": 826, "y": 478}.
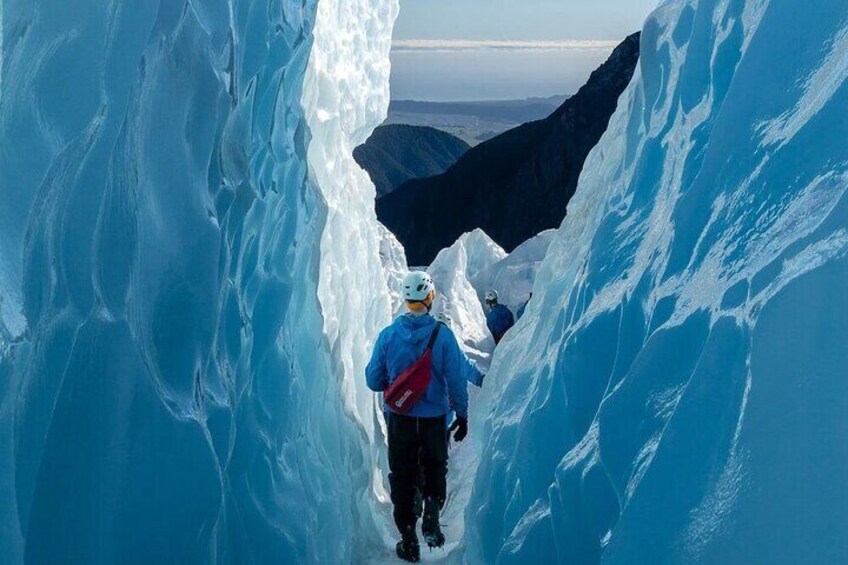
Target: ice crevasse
{"x": 676, "y": 391}
{"x": 189, "y": 279}
{"x": 191, "y": 275}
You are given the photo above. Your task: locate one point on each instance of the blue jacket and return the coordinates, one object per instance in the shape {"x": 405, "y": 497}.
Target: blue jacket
{"x": 499, "y": 320}
{"x": 401, "y": 344}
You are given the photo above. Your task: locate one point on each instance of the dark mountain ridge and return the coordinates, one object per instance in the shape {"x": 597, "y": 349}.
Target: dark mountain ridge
{"x": 517, "y": 184}
{"x": 395, "y": 154}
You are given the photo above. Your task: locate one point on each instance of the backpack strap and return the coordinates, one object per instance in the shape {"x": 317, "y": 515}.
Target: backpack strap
{"x": 433, "y": 337}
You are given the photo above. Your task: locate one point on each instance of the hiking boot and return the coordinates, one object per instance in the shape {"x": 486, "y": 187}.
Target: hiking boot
{"x": 408, "y": 550}
{"x": 430, "y": 527}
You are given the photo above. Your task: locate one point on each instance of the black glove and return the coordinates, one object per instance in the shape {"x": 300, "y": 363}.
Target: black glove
{"x": 461, "y": 427}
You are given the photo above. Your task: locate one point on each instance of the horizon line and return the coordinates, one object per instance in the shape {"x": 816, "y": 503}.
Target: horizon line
{"x": 430, "y": 45}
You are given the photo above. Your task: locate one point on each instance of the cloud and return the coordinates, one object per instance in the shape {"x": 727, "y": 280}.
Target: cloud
{"x": 449, "y": 45}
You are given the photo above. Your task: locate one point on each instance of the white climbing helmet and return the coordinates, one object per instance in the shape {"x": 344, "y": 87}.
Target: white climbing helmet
{"x": 417, "y": 285}
{"x": 492, "y": 296}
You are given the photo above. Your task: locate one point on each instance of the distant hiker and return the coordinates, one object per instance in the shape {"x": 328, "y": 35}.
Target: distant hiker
{"x": 520, "y": 312}
{"x": 418, "y": 365}
{"x": 499, "y": 319}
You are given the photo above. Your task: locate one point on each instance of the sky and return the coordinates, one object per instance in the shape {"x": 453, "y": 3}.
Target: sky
{"x": 505, "y": 49}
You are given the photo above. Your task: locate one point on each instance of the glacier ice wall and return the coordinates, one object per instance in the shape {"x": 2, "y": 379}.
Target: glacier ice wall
{"x": 514, "y": 275}
{"x": 171, "y": 386}
{"x": 456, "y": 298}
{"x": 473, "y": 265}
{"x": 346, "y": 96}
{"x": 676, "y": 392}
{"x": 393, "y": 258}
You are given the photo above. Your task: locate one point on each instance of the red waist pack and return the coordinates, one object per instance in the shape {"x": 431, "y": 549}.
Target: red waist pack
{"x": 412, "y": 384}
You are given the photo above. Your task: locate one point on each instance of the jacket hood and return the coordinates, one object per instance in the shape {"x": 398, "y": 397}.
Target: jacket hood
{"x": 415, "y": 330}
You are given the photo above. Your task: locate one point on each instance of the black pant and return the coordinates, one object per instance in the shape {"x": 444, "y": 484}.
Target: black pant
{"x": 416, "y": 443}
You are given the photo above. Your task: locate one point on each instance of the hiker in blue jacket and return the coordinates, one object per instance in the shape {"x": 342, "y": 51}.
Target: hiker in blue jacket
{"x": 420, "y": 436}
{"x": 499, "y": 319}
